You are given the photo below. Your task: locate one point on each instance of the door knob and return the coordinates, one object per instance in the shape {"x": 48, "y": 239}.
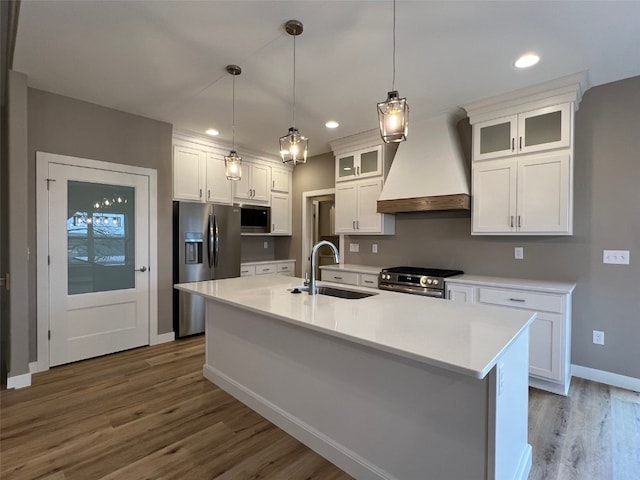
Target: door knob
{"x": 141, "y": 269}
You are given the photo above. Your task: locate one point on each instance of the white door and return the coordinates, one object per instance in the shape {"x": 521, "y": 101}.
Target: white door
{"x": 98, "y": 262}
{"x": 218, "y": 187}
{"x": 346, "y": 202}
{"x": 494, "y": 197}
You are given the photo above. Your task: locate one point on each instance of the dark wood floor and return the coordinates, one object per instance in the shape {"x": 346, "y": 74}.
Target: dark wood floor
{"x": 149, "y": 414}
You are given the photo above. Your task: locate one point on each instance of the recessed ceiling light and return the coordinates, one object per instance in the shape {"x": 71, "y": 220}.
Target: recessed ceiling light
{"x": 213, "y": 132}
{"x": 332, "y": 124}
{"x": 527, "y": 60}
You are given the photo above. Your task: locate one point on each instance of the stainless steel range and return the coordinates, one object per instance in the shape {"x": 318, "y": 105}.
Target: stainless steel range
{"x": 419, "y": 281}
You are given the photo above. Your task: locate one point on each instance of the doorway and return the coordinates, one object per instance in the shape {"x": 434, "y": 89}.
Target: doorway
{"x": 318, "y": 224}
{"x": 96, "y": 265}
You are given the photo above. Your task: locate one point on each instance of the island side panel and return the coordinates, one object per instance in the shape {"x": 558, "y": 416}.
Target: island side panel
{"x": 373, "y": 414}
{"x": 508, "y": 413}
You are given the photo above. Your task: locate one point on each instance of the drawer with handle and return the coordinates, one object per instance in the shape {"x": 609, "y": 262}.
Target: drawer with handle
{"x": 265, "y": 269}
{"x": 367, "y": 280}
{"x": 286, "y": 268}
{"x": 349, "y": 278}
{"x": 518, "y": 299}
{"x": 247, "y": 270}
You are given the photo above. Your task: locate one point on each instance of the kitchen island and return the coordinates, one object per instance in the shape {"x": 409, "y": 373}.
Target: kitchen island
{"x": 391, "y": 386}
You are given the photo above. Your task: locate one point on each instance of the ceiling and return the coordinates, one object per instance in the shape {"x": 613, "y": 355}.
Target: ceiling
{"x": 166, "y": 59}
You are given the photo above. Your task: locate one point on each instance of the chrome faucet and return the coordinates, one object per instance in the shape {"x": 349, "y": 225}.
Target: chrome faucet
{"x": 314, "y": 254}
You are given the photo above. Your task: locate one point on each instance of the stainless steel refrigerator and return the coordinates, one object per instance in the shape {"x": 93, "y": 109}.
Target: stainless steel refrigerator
{"x": 206, "y": 244}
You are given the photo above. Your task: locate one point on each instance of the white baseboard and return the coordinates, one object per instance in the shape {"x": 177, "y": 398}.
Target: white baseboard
{"x": 19, "y": 381}
{"x": 33, "y": 367}
{"x": 613, "y": 379}
{"x": 162, "y": 338}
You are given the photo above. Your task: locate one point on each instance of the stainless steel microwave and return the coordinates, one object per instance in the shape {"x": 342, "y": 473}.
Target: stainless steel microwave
{"x": 255, "y": 219}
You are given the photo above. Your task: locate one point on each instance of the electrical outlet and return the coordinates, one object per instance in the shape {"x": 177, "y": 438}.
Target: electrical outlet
{"x": 618, "y": 257}
{"x": 354, "y": 247}
{"x": 518, "y": 253}
{"x": 266, "y": 244}
{"x": 598, "y": 337}
{"x": 374, "y": 248}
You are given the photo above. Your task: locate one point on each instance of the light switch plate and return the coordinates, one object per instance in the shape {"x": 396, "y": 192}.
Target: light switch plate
{"x": 617, "y": 257}
{"x": 354, "y": 247}
{"x": 518, "y": 253}
{"x": 374, "y": 248}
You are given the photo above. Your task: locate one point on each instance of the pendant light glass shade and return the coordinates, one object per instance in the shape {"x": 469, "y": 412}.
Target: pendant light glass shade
{"x": 233, "y": 161}
{"x": 393, "y": 113}
{"x": 294, "y": 146}
{"x": 233, "y": 166}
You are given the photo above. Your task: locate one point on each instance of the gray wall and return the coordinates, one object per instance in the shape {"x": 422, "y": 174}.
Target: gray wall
{"x": 317, "y": 174}
{"x": 607, "y": 216}
{"x": 67, "y": 126}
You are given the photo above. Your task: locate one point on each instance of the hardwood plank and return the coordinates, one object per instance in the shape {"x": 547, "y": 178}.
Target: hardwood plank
{"x": 149, "y": 414}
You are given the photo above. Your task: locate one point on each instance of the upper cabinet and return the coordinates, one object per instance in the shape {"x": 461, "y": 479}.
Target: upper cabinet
{"x": 199, "y": 175}
{"x": 280, "y": 180}
{"x": 360, "y": 169}
{"x": 359, "y": 164}
{"x": 528, "y": 132}
{"x": 522, "y": 169}
{"x": 255, "y": 185}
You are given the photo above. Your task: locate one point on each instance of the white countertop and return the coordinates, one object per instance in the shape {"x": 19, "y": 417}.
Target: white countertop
{"x": 352, "y": 267}
{"x": 517, "y": 283}
{"x": 467, "y": 339}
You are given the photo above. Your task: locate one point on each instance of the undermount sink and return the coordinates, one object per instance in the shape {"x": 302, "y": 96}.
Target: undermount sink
{"x": 335, "y": 292}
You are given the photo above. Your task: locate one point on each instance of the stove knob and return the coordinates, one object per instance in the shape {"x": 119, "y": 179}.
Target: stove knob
{"x": 429, "y": 281}
{"x": 435, "y": 282}
{"x": 423, "y": 281}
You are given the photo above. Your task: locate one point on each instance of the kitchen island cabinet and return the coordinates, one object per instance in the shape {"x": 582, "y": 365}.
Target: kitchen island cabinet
{"x": 390, "y": 386}
{"x": 550, "y": 336}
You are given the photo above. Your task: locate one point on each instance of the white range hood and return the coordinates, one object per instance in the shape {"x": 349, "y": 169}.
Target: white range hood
{"x": 428, "y": 172}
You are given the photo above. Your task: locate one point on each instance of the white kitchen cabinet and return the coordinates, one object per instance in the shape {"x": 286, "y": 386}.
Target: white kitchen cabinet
{"x": 217, "y": 189}
{"x": 188, "y": 173}
{"x": 280, "y": 214}
{"x": 280, "y": 180}
{"x": 199, "y": 176}
{"x": 255, "y": 185}
{"x": 527, "y": 132}
{"x": 550, "y": 332}
{"x": 355, "y": 209}
{"x": 281, "y": 267}
{"x": 460, "y": 293}
{"x": 359, "y": 164}
{"x": 359, "y": 275}
{"x": 524, "y": 195}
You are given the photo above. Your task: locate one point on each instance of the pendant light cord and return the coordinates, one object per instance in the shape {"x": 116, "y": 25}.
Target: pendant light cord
{"x": 393, "y": 83}
{"x": 233, "y": 115}
{"x": 294, "y": 81}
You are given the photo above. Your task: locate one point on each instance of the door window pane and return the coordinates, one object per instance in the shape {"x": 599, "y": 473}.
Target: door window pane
{"x": 100, "y": 237}
{"x": 369, "y": 162}
{"x": 345, "y": 166}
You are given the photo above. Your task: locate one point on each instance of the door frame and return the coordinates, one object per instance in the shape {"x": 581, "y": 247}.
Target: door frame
{"x": 307, "y": 227}
{"x": 43, "y": 160}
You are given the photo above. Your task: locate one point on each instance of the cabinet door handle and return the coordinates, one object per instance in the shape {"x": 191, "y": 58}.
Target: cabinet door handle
{"x": 353, "y": 225}
{"x": 520, "y": 145}
{"x": 358, "y": 170}
{"x": 254, "y": 193}
{"x": 511, "y": 221}
{"x": 368, "y": 281}
{"x": 337, "y": 278}
{"x": 519, "y": 223}
{"x": 357, "y": 224}
{"x": 273, "y": 184}
{"x": 200, "y": 193}
{"x": 521, "y": 300}
{"x": 208, "y": 193}
{"x": 513, "y": 144}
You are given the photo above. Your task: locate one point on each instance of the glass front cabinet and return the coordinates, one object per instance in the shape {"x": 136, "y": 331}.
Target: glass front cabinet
{"x": 528, "y": 132}
{"x": 360, "y": 164}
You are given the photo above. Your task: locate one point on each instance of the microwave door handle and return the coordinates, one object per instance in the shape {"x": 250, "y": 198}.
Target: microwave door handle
{"x": 216, "y": 242}
{"x": 210, "y": 241}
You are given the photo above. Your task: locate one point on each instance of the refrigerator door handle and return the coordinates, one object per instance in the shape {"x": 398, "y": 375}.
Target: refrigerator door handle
{"x": 216, "y": 242}
{"x": 210, "y": 239}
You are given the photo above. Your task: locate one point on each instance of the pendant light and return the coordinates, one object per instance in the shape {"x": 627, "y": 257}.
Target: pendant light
{"x": 293, "y": 145}
{"x": 233, "y": 161}
{"x": 393, "y": 113}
